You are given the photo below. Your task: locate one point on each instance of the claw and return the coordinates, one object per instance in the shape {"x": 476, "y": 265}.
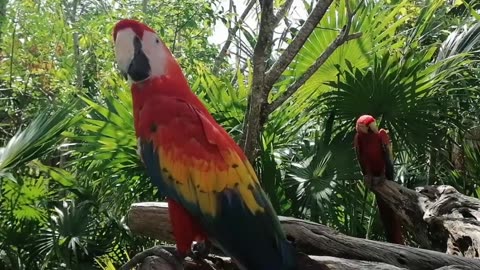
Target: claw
{"x": 201, "y": 250}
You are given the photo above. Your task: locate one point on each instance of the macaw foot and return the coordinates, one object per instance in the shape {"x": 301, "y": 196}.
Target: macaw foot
{"x": 200, "y": 255}
{"x": 200, "y": 250}
{"x": 166, "y": 254}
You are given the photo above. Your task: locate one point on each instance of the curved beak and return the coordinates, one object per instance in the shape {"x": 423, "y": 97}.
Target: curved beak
{"x": 131, "y": 59}
{"x": 366, "y": 128}
{"x": 373, "y": 127}
{"x": 139, "y": 68}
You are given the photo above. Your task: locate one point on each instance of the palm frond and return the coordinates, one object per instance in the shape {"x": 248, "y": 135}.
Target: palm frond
{"x": 39, "y": 137}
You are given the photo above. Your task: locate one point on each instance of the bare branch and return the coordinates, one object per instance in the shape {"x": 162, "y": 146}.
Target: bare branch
{"x": 231, "y": 35}
{"x": 289, "y": 54}
{"x": 341, "y": 39}
{"x": 283, "y": 11}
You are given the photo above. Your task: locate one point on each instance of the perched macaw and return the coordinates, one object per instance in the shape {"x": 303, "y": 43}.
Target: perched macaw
{"x": 212, "y": 190}
{"x": 374, "y": 153}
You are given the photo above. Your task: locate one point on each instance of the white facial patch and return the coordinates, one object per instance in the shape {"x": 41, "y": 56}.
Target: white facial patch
{"x": 156, "y": 53}
{"x": 124, "y": 49}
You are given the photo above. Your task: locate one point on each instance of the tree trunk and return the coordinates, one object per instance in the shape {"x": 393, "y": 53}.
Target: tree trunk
{"x": 264, "y": 77}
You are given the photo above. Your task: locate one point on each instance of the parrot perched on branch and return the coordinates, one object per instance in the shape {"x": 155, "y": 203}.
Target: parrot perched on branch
{"x": 374, "y": 153}
{"x": 212, "y": 190}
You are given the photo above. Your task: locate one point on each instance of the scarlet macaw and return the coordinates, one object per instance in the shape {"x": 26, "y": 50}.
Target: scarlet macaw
{"x": 374, "y": 153}
{"x": 212, "y": 190}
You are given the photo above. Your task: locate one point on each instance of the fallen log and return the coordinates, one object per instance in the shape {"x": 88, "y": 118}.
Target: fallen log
{"x": 457, "y": 216}
{"x": 152, "y": 220}
{"x": 321, "y": 262}
{"x": 156, "y": 259}
{"x": 440, "y": 217}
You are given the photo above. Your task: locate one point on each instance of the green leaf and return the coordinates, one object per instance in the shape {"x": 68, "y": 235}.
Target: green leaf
{"x": 38, "y": 138}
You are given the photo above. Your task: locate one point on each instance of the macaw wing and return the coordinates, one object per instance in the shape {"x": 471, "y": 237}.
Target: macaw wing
{"x": 358, "y": 153}
{"x": 192, "y": 160}
{"x": 387, "y": 153}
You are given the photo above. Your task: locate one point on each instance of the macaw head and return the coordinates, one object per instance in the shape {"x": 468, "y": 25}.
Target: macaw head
{"x": 139, "y": 51}
{"x": 365, "y": 124}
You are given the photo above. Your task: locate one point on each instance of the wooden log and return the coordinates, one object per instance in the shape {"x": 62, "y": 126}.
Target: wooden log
{"x": 326, "y": 262}
{"x": 313, "y": 239}
{"x": 335, "y": 263}
{"x": 315, "y": 263}
{"x": 440, "y": 217}
{"x": 405, "y": 202}
{"x": 455, "y": 216}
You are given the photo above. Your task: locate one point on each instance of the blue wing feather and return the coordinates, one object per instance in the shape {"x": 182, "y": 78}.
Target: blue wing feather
{"x": 232, "y": 229}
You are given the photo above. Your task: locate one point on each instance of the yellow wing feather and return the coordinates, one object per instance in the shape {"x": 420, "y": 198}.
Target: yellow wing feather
{"x": 198, "y": 180}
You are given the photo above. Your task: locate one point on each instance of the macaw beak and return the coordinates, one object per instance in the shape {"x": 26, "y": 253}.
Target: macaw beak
{"x": 131, "y": 59}
{"x": 373, "y": 127}
{"x": 139, "y": 68}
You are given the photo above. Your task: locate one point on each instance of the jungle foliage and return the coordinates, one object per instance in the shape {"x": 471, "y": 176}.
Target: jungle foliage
{"x": 69, "y": 170}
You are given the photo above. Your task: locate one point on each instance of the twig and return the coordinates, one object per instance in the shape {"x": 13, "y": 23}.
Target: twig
{"x": 13, "y": 48}
{"x": 341, "y": 39}
{"x": 291, "y": 51}
{"x": 231, "y": 35}
{"x": 283, "y": 11}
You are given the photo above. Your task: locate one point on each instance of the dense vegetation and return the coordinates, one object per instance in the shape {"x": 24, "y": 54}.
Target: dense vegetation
{"x": 69, "y": 170}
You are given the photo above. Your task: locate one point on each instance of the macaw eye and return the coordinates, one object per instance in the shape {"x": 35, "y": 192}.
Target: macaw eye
{"x": 157, "y": 41}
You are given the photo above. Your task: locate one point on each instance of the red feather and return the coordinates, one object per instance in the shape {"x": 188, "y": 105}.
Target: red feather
{"x": 185, "y": 228}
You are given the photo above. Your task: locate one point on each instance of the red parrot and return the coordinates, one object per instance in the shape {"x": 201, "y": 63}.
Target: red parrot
{"x": 212, "y": 190}
{"x": 374, "y": 153}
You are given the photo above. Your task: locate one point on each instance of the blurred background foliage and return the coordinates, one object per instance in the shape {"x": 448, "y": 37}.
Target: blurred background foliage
{"x": 68, "y": 166}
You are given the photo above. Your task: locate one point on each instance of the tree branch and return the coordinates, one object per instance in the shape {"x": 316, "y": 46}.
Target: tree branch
{"x": 231, "y": 35}
{"x": 259, "y": 92}
{"x": 343, "y": 37}
{"x": 263, "y": 46}
{"x": 291, "y": 51}
{"x": 282, "y": 12}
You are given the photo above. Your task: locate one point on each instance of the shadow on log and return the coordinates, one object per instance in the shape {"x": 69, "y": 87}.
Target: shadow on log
{"x": 151, "y": 219}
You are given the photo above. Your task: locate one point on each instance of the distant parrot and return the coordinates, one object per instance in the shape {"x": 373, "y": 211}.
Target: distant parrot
{"x": 212, "y": 190}
{"x": 374, "y": 153}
